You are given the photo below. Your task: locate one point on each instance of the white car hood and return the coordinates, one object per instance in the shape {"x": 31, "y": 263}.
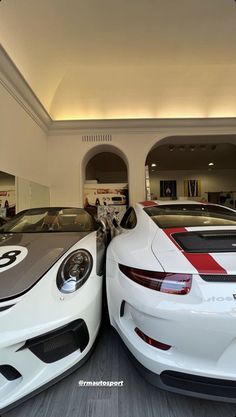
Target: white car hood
{"x": 209, "y": 250}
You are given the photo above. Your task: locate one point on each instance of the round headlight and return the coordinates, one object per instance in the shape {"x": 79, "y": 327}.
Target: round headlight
{"x": 74, "y": 271}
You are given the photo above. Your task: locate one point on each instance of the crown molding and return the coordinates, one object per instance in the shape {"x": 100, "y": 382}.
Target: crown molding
{"x": 213, "y": 125}
{"x": 13, "y": 81}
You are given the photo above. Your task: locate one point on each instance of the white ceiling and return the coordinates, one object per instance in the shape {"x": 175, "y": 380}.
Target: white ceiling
{"x": 192, "y": 155}
{"x": 125, "y": 59}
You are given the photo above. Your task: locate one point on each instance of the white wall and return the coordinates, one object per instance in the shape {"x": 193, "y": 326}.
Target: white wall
{"x": 215, "y": 180}
{"x": 31, "y": 194}
{"x": 66, "y": 167}
{"x": 23, "y": 144}
{"x": 68, "y": 158}
{"x": 58, "y": 160}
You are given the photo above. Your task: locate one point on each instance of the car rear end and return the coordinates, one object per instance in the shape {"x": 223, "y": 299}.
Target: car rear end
{"x": 175, "y": 309}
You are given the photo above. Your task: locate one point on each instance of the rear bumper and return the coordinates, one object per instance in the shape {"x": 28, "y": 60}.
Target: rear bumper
{"x": 189, "y": 384}
{"x": 199, "y": 328}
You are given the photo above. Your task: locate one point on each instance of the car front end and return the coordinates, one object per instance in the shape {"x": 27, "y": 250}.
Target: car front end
{"x": 48, "y": 323}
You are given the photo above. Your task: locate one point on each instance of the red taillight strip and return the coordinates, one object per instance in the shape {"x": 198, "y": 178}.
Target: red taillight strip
{"x": 204, "y": 263}
{"x": 159, "y": 281}
{"x": 150, "y": 341}
{"x": 148, "y": 203}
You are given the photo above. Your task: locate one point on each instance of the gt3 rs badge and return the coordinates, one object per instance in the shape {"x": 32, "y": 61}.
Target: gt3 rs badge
{"x": 11, "y": 256}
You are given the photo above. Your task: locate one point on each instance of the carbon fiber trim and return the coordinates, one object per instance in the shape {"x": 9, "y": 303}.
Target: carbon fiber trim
{"x": 59, "y": 343}
{"x": 198, "y": 384}
{"x": 219, "y": 278}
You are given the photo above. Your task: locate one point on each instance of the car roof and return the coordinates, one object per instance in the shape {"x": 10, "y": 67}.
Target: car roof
{"x": 149, "y": 203}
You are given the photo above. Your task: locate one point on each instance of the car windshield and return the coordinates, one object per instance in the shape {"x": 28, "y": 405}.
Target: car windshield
{"x": 191, "y": 215}
{"x": 50, "y": 220}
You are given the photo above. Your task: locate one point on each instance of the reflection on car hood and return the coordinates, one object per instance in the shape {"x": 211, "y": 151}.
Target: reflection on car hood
{"x": 44, "y": 249}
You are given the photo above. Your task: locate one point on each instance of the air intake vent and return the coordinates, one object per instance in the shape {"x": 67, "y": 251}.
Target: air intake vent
{"x": 59, "y": 343}
{"x": 9, "y": 372}
{"x": 97, "y": 138}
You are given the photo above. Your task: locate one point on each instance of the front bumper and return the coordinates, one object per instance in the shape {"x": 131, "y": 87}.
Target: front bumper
{"x": 46, "y": 335}
{"x": 199, "y": 327}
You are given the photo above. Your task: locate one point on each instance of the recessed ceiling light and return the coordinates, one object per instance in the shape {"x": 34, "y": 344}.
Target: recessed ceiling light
{"x": 154, "y": 165}
{"x": 211, "y": 164}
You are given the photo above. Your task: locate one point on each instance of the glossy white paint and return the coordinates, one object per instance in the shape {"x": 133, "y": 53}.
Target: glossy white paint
{"x": 42, "y": 309}
{"x": 199, "y": 326}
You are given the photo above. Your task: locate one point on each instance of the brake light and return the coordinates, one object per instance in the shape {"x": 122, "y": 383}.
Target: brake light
{"x": 150, "y": 341}
{"x": 167, "y": 282}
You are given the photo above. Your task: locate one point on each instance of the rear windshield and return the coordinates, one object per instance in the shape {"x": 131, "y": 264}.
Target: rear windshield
{"x": 50, "y": 220}
{"x": 190, "y": 215}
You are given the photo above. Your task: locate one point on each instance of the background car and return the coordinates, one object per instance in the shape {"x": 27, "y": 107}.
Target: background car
{"x": 171, "y": 288}
{"x": 51, "y": 268}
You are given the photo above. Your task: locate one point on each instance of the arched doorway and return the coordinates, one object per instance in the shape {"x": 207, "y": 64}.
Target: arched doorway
{"x": 105, "y": 181}
{"x": 201, "y": 168}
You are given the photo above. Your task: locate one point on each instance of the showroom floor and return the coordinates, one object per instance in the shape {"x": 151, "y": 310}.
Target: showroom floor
{"x": 136, "y": 398}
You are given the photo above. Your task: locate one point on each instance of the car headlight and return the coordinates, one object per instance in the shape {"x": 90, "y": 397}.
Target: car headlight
{"x": 74, "y": 271}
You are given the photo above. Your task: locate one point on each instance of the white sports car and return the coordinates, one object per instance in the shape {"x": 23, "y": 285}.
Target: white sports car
{"x": 171, "y": 287}
{"x": 51, "y": 267}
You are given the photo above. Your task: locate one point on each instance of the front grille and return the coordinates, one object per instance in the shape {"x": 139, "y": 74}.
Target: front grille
{"x": 218, "y": 278}
{"x": 59, "y": 343}
{"x": 199, "y": 384}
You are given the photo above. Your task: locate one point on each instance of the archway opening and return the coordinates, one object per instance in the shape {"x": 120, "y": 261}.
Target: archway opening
{"x": 106, "y": 184}
{"x": 200, "y": 168}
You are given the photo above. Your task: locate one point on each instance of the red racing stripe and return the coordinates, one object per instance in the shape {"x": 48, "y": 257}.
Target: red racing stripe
{"x": 171, "y": 231}
{"x": 204, "y": 263}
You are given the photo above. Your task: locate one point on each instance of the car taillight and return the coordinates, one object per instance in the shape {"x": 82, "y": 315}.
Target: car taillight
{"x": 167, "y": 282}
{"x": 150, "y": 341}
